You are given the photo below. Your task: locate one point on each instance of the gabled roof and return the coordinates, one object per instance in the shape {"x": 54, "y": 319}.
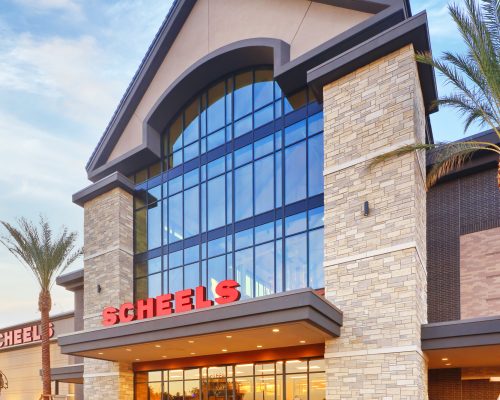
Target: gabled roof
{"x": 291, "y": 75}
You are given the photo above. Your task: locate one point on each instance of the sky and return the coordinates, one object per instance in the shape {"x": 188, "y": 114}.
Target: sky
{"x": 64, "y": 65}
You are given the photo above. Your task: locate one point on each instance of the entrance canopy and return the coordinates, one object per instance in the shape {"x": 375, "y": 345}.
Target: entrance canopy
{"x": 472, "y": 342}
{"x": 290, "y": 319}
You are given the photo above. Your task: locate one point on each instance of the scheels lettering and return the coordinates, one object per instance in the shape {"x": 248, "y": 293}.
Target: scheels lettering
{"x": 25, "y": 335}
{"x": 166, "y": 304}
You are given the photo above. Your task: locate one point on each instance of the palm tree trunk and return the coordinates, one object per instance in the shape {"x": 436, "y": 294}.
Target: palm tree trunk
{"x": 44, "y": 305}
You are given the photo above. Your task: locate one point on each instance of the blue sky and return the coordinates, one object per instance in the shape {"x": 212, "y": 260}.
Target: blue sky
{"x": 64, "y": 65}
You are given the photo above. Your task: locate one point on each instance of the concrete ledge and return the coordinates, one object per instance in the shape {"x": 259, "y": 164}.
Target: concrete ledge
{"x": 112, "y": 181}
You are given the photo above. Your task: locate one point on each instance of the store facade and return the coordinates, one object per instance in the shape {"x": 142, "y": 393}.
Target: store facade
{"x": 236, "y": 244}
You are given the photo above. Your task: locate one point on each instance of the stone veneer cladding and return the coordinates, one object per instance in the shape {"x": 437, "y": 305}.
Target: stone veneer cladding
{"x": 108, "y": 262}
{"x": 375, "y": 266}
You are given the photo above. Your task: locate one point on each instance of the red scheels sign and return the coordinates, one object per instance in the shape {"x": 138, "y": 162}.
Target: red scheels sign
{"x": 170, "y": 303}
{"x": 27, "y": 334}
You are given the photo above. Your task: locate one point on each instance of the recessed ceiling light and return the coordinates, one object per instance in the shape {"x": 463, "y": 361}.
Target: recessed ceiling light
{"x": 447, "y": 364}
{"x": 259, "y": 346}
{"x": 302, "y": 341}
{"x": 100, "y": 354}
{"x": 444, "y": 359}
{"x": 228, "y": 336}
{"x": 276, "y": 330}
{"x": 224, "y": 350}
{"x": 193, "y": 353}
{"x": 157, "y": 346}
{"x": 137, "y": 359}
{"x": 128, "y": 349}
{"x": 163, "y": 356}
{"x": 190, "y": 341}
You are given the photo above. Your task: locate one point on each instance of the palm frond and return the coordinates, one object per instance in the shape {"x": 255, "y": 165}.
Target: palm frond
{"x": 410, "y": 148}
{"x": 451, "y": 156}
{"x": 45, "y": 254}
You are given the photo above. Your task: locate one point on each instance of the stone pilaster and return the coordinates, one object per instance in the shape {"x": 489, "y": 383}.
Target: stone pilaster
{"x": 375, "y": 265}
{"x": 108, "y": 262}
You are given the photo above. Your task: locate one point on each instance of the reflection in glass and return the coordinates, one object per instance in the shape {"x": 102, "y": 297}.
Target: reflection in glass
{"x": 296, "y": 387}
{"x": 244, "y": 272}
{"x": 243, "y": 192}
{"x": 154, "y": 225}
{"x": 140, "y": 227}
{"x": 216, "y": 202}
{"x": 243, "y": 94}
{"x": 175, "y": 218}
{"x": 264, "y": 185}
{"x": 296, "y": 261}
{"x": 155, "y": 391}
{"x": 317, "y": 386}
{"x": 316, "y": 275}
{"x": 295, "y": 179}
{"x": 264, "y": 269}
{"x": 191, "y": 212}
{"x": 216, "y": 273}
{"x": 216, "y": 112}
{"x": 315, "y": 170}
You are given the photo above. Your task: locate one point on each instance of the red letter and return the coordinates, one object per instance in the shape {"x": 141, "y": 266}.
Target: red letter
{"x": 1, "y": 340}
{"x": 8, "y": 338}
{"x": 18, "y": 336}
{"x": 27, "y": 334}
{"x": 145, "y": 309}
{"x": 51, "y": 329}
{"x": 184, "y": 300}
{"x": 36, "y": 333}
{"x": 125, "y": 312}
{"x": 227, "y": 292}
{"x": 201, "y": 298}
{"x": 109, "y": 316}
{"x": 164, "y": 305}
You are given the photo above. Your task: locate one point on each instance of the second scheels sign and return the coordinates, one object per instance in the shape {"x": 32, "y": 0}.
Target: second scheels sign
{"x": 170, "y": 303}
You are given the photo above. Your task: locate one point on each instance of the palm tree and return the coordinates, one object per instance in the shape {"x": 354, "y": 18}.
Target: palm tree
{"x": 46, "y": 255}
{"x": 475, "y": 77}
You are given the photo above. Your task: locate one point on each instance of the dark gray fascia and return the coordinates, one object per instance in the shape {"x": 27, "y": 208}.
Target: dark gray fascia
{"x": 70, "y": 374}
{"x": 463, "y": 333}
{"x": 151, "y": 62}
{"x": 116, "y": 179}
{"x": 392, "y": 11}
{"x": 293, "y": 306}
{"x": 71, "y": 281}
{"x": 293, "y": 75}
{"x": 413, "y": 30}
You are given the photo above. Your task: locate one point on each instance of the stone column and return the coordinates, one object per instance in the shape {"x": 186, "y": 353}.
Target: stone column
{"x": 108, "y": 262}
{"x": 375, "y": 265}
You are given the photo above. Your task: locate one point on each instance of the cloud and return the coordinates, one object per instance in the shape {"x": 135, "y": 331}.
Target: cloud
{"x": 43, "y": 6}
{"x": 72, "y": 74}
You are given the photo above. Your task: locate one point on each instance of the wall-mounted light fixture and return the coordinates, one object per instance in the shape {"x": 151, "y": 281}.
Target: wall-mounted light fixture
{"x": 99, "y": 288}
{"x": 366, "y": 208}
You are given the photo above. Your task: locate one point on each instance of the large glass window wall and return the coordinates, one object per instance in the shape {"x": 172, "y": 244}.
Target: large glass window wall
{"x": 281, "y": 380}
{"x": 240, "y": 196}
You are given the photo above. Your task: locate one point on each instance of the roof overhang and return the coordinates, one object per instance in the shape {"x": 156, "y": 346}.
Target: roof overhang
{"x": 71, "y": 281}
{"x": 464, "y": 343}
{"x": 68, "y": 374}
{"x": 414, "y": 31}
{"x": 302, "y": 317}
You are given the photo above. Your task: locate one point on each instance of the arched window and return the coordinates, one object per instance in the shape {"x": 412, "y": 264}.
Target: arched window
{"x": 240, "y": 195}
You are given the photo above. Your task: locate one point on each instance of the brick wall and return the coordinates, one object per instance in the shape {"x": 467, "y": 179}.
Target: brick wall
{"x": 459, "y": 207}
{"x": 480, "y": 274}
{"x": 108, "y": 262}
{"x": 375, "y": 265}
{"x": 447, "y": 384}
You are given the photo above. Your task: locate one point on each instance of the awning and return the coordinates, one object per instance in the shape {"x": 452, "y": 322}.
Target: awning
{"x": 465, "y": 343}
{"x": 290, "y": 319}
{"x": 68, "y": 374}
